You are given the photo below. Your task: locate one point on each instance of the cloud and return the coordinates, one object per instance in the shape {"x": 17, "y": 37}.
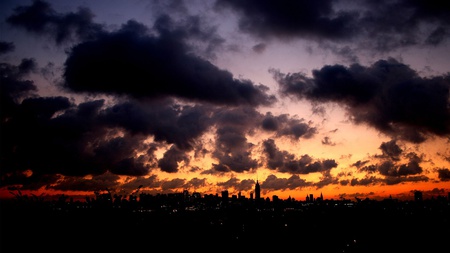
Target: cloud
{"x": 196, "y": 183}
{"x": 152, "y": 98}
{"x": 15, "y": 86}
{"x": 166, "y": 120}
{"x": 283, "y": 161}
{"x": 327, "y": 141}
{"x": 285, "y": 125}
{"x": 148, "y": 67}
{"x": 173, "y": 184}
{"x": 40, "y": 18}
{"x": 370, "y": 25}
{"x": 232, "y": 148}
{"x": 6, "y": 47}
{"x": 289, "y": 19}
{"x": 272, "y": 182}
{"x": 96, "y": 183}
{"x": 368, "y": 180}
{"x": 391, "y": 150}
{"x": 132, "y": 62}
{"x": 388, "y": 95}
{"x": 326, "y": 179}
{"x": 171, "y": 158}
{"x": 444, "y": 174}
{"x": 391, "y": 169}
{"x": 96, "y": 136}
{"x": 259, "y": 48}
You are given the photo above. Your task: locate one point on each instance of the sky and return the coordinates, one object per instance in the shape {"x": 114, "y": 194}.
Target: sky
{"x": 348, "y": 99}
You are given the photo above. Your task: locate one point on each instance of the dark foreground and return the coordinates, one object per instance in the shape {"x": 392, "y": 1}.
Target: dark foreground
{"x": 369, "y": 228}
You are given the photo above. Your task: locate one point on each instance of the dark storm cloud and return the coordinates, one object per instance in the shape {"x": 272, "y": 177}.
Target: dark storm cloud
{"x": 45, "y": 143}
{"x": 6, "y": 47}
{"x": 326, "y": 179}
{"x": 398, "y": 180}
{"x": 135, "y": 183}
{"x": 131, "y": 62}
{"x": 283, "y": 161}
{"x": 28, "y": 134}
{"x": 143, "y": 66}
{"x": 233, "y": 125}
{"x": 369, "y": 168}
{"x": 171, "y": 158}
{"x": 420, "y": 22}
{"x": 42, "y": 19}
{"x": 57, "y": 136}
{"x": 230, "y": 183}
{"x": 232, "y": 149}
{"x": 388, "y": 95}
{"x": 391, "y": 150}
{"x": 373, "y": 25}
{"x": 173, "y": 184}
{"x": 245, "y": 185}
{"x": 392, "y": 166}
{"x": 96, "y": 183}
{"x": 51, "y": 135}
{"x": 238, "y": 185}
{"x": 15, "y": 86}
{"x": 284, "y": 125}
{"x": 165, "y": 120}
{"x": 196, "y": 183}
{"x": 119, "y": 154}
{"x": 272, "y": 182}
{"x": 20, "y": 180}
{"x": 389, "y": 168}
{"x": 444, "y": 174}
{"x": 289, "y": 19}
{"x": 365, "y": 181}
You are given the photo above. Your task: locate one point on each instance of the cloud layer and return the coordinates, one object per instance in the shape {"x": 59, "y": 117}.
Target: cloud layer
{"x": 154, "y": 101}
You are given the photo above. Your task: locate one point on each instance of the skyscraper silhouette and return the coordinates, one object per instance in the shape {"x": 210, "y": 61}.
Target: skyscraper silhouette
{"x": 257, "y": 191}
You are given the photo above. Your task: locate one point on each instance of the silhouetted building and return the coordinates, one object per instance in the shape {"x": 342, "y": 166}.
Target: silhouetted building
{"x": 225, "y": 195}
{"x": 320, "y": 198}
{"x": 418, "y": 196}
{"x": 257, "y": 191}
{"x": 196, "y": 195}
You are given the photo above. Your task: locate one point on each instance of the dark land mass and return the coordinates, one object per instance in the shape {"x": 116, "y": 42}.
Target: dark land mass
{"x": 217, "y": 226}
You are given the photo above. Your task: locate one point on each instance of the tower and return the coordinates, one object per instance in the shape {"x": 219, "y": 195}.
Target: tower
{"x": 257, "y": 191}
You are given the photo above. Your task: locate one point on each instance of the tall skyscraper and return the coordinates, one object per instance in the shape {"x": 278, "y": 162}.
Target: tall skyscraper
{"x": 257, "y": 191}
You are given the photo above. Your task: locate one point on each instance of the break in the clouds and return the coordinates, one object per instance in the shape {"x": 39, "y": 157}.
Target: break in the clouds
{"x": 388, "y": 95}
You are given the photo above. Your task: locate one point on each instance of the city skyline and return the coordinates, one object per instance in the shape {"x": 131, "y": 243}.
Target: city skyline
{"x": 349, "y": 99}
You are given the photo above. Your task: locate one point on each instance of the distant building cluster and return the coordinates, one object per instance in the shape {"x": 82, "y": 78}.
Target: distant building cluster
{"x": 186, "y": 201}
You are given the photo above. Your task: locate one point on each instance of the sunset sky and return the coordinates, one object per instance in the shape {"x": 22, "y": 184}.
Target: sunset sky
{"x": 347, "y": 98}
